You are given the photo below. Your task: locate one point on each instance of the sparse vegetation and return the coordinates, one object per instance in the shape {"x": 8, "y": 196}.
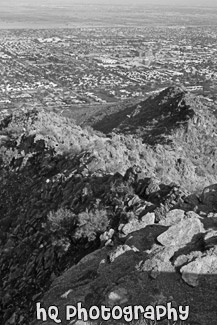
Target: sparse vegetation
{"x": 62, "y": 186}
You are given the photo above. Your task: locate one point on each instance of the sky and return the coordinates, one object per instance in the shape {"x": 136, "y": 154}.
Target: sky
{"x": 18, "y": 3}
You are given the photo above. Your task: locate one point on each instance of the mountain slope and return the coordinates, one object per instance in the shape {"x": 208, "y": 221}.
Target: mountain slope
{"x": 63, "y": 186}
{"x": 175, "y": 122}
{"x": 156, "y": 118}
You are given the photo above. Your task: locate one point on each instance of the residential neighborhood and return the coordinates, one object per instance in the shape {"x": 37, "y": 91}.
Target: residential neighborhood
{"x": 63, "y": 67}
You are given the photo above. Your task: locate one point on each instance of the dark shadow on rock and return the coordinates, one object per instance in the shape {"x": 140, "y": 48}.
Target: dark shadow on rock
{"x": 196, "y": 245}
{"x": 145, "y": 238}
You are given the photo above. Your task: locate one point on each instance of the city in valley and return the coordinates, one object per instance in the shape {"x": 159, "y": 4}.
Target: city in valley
{"x": 64, "y": 67}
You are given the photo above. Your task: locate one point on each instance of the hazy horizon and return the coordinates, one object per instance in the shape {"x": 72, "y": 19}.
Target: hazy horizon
{"x": 74, "y": 13}
{"x": 15, "y": 4}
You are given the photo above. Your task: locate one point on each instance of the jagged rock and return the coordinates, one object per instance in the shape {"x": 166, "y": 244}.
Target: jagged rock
{"x": 172, "y": 217}
{"x": 192, "y": 215}
{"x": 106, "y": 237}
{"x": 201, "y": 266}
{"x": 135, "y": 224}
{"x": 159, "y": 261}
{"x": 160, "y": 212}
{"x": 131, "y": 174}
{"x": 135, "y": 200}
{"x": 152, "y": 187}
{"x": 210, "y": 239}
{"x": 172, "y": 199}
{"x": 122, "y": 249}
{"x": 145, "y": 238}
{"x": 187, "y": 258}
{"x": 212, "y": 215}
{"x": 181, "y": 233}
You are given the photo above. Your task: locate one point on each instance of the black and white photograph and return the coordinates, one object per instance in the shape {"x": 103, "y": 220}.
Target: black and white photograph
{"x": 108, "y": 170}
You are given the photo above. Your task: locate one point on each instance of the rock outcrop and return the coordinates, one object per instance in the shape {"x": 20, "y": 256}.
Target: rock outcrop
{"x": 141, "y": 271}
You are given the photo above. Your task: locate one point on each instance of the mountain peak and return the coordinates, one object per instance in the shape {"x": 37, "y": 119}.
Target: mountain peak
{"x": 157, "y": 118}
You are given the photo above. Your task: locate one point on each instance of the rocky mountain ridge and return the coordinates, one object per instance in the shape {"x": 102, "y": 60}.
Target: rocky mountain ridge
{"x": 141, "y": 203}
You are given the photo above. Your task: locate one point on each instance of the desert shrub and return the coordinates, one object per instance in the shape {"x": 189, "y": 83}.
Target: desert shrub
{"x": 91, "y": 224}
{"x": 62, "y": 223}
{"x": 65, "y": 224}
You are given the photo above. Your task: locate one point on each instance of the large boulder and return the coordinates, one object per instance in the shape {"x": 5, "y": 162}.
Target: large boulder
{"x": 145, "y": 238}
{"x": 172, "y": 217}
{"x": 202, "y": 266}
{"x": 182, "y": 233}
{"x": 159, "y": 261}
{"x": 136, "y": 224}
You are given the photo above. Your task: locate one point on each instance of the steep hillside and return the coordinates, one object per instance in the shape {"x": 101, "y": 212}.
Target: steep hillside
{"x": 175, "y": 122}
{"x": 158, "y": 117}
{"x": 66, "y": 191}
